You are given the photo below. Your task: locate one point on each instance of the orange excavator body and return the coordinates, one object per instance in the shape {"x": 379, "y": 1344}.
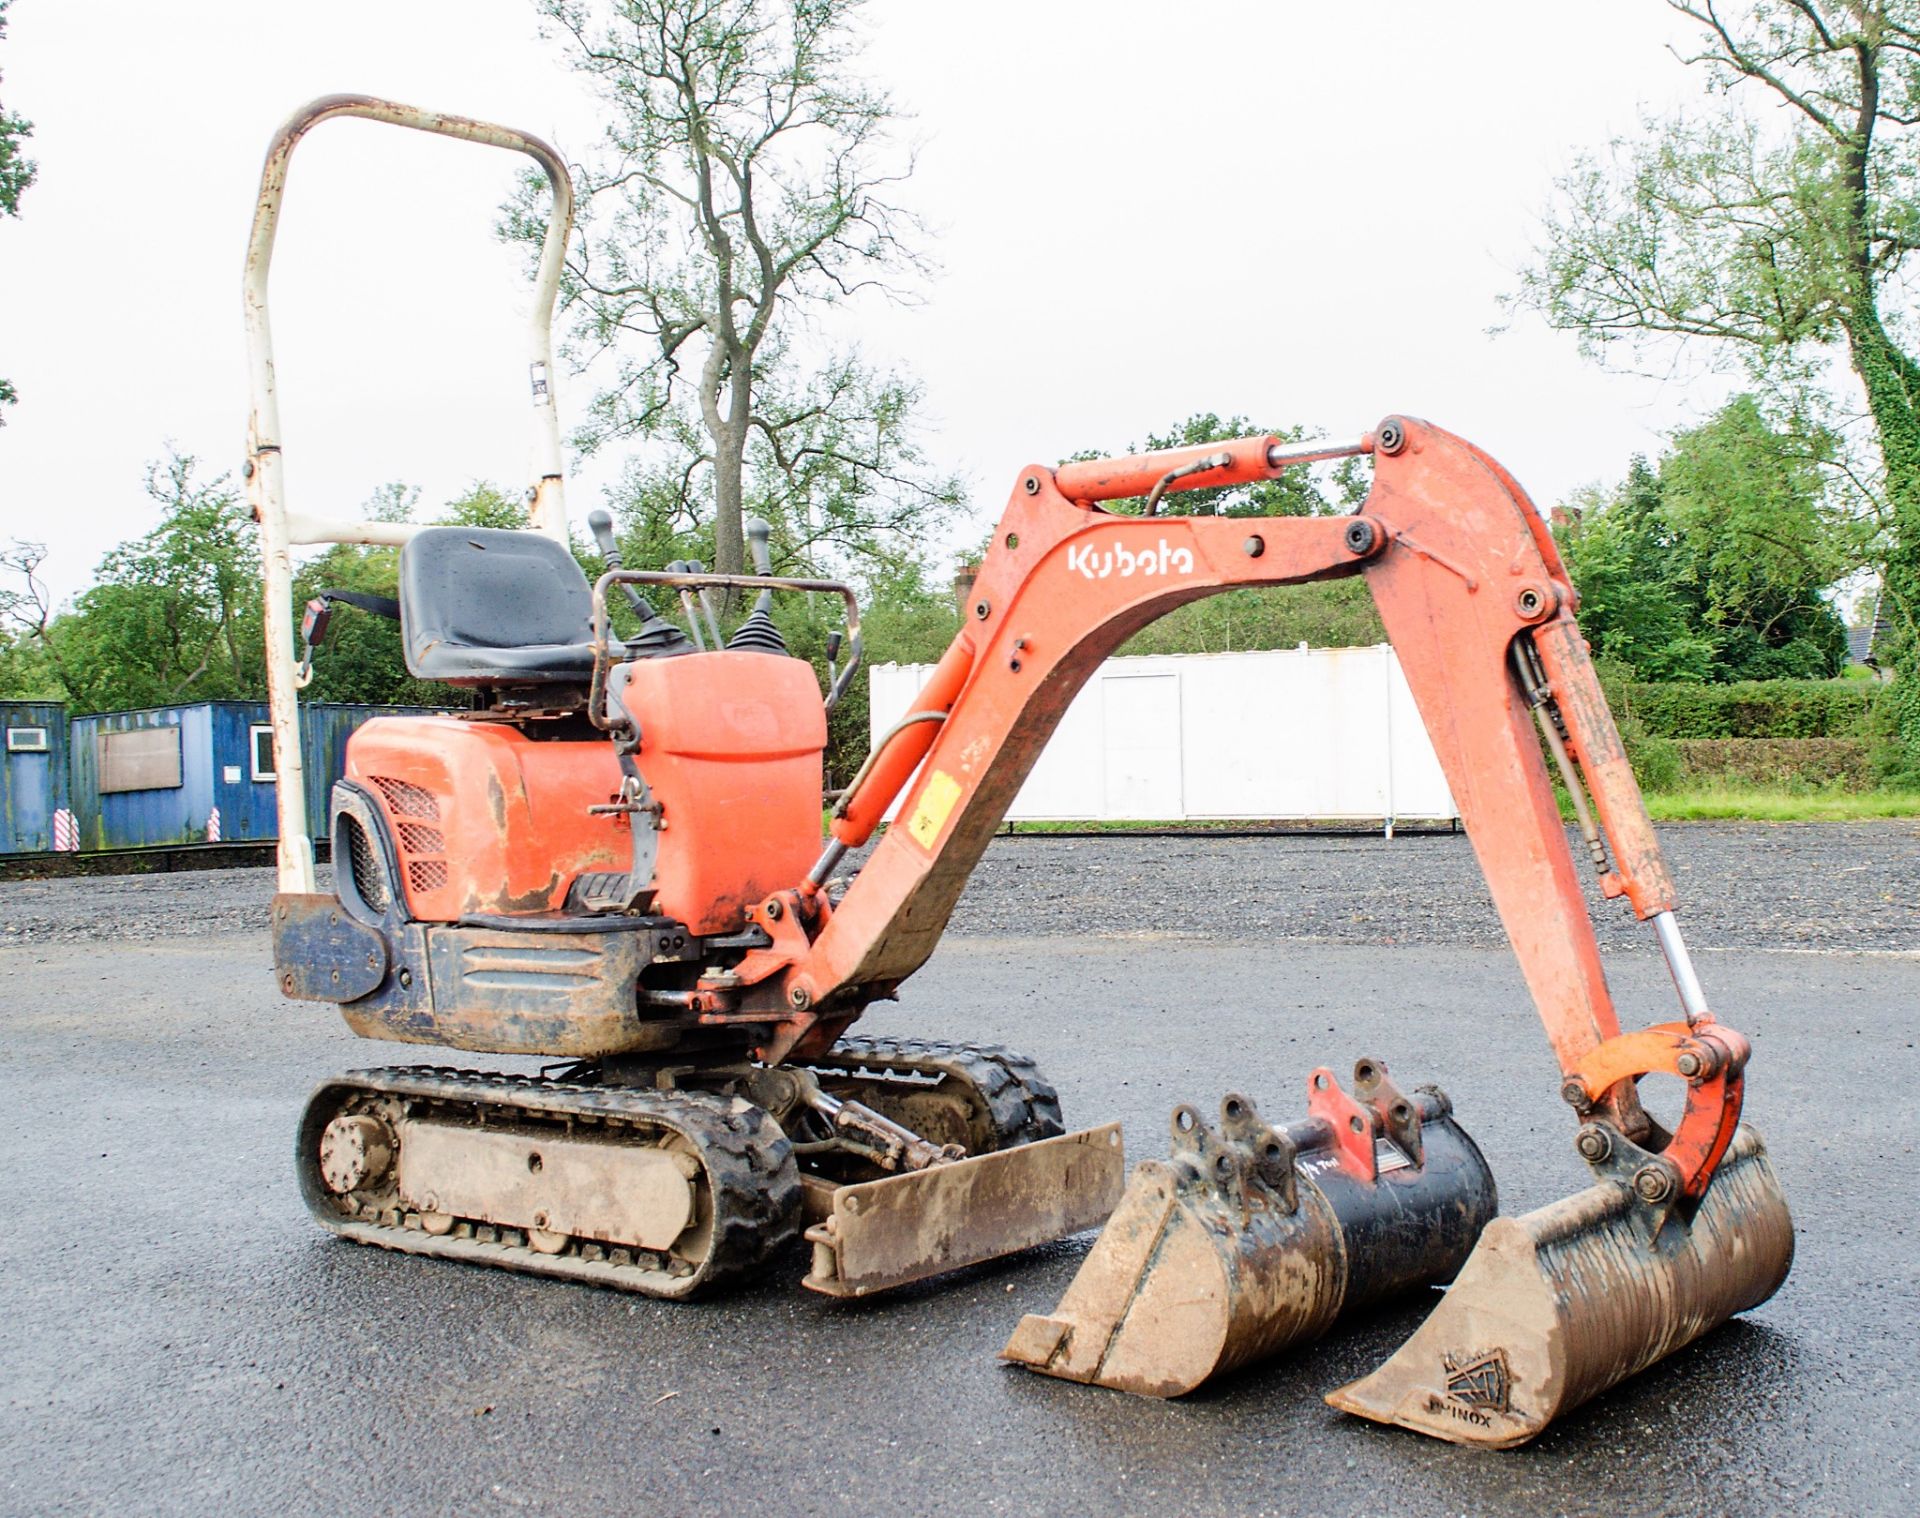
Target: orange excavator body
{"x": 489, "y": 821}
{"x": 732, "y": 742}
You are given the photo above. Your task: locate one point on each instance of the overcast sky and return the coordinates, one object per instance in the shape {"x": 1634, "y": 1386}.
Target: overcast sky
{"x": 1300, "y": 212}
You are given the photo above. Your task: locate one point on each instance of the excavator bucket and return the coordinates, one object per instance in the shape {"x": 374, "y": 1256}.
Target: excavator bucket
{"x": 1556, "y": 1306}
{"x": 1254, "y": 1238}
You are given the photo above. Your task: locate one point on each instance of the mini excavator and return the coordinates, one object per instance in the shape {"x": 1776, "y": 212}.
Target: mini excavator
{"x": 616, "y": 859}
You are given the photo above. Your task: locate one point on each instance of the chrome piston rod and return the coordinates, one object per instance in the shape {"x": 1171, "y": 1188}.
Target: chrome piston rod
{"x": 1282, "y": 454}
{"x": 1680, "y": 966}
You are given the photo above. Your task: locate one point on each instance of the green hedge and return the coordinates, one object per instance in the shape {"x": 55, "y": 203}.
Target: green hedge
{"x": 1754, "y": 708}
{"x": 1789, "y": 764}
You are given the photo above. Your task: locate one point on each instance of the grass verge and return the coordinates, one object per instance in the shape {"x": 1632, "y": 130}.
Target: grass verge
{"x": 1702, "y": 804}
{"x": 1726, "y": 804}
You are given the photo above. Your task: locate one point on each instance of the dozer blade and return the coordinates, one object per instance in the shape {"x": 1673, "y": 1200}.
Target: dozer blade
{"x": 1558, "y": 1305}
{"x": 907, "y": 1227}
{"x": 1252, "y": 1239}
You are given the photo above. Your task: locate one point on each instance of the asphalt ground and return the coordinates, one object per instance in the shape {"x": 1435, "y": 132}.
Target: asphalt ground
{"x": 177, "y": 1336}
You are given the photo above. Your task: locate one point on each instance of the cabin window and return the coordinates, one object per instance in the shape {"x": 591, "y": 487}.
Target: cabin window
{"x": 26, "y": 740}
{"x": 260, "y": 743}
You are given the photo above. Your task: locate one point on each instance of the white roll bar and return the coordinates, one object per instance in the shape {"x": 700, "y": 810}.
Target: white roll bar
{"x": 266, "y": 489}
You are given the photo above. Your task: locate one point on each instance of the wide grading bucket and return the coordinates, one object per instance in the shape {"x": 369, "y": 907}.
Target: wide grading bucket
{"x": 1556, "y": 1306}
{"x": 1254, "y": 1238}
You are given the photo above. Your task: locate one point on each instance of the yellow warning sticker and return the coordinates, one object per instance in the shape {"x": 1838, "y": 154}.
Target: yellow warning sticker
{"x": 936, "y": 805}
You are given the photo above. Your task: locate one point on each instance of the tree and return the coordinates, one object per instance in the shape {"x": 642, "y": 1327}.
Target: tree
{"x": 28, "y": 670}
{"x": 742, "y": 186}
{"x": 173, "y": 615}
{"x": 1623, "y": 557}
{"x": 16, "y": 174}
{"x": 1773, "y": 235}
{"x": 1718, "y": 565}
{"x": 484, "y": 505}
{"x": 1765, "y": 543}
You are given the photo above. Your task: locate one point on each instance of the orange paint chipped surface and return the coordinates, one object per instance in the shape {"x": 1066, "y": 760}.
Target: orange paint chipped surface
{"x": 486, "y": 820}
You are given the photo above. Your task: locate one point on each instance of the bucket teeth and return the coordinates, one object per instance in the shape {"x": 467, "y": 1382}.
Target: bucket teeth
{"x": 1558, "y": 1305}
{"x": 1252, "y": 1238}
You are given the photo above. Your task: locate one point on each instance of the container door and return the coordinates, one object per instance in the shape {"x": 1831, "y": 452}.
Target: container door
{"x": 30, "y": 789}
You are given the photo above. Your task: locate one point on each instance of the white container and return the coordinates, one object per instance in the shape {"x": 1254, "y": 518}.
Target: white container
{"x": 1325, "y": 734}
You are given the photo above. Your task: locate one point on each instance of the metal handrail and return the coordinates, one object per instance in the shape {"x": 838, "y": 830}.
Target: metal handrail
{"x": 266, "y": 488}
{"x": 603, "y": 654}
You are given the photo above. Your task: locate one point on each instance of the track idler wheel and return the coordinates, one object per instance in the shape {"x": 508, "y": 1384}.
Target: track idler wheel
{"x": 1251, "y": 1239}
{"x": 1561, "y": 1303}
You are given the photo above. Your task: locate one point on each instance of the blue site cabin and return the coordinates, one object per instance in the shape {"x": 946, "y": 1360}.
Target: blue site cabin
{"x": 202, "y": 773}
{"x": 33, "y": 774}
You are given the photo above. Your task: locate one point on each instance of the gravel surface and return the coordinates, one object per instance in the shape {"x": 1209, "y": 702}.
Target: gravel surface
{"x": 1750, "y": 885}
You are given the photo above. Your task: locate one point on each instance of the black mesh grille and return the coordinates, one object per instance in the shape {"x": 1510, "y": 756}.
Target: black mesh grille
{"x": 416, "y": 839}
{"x": 405, "y": 800}
{"x": 365, "y": 863}
{"x": 427, "y": 874}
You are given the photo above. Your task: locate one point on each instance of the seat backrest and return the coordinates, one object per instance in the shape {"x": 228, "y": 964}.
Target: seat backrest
{"x": 470, "y": 597}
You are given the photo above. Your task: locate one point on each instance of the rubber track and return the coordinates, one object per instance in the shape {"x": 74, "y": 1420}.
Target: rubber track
{"x": 753, "y": 1180}
{"x": 1021, "y": 1102}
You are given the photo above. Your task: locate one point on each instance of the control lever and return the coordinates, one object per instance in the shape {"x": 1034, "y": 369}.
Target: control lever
{"x": 600, "y": 524}
{"x": 656, "y": 633}
{"x": 759, "y": 543}
{"x": 757, "y": 632}
{"x": 695, "y": 567}
{"x": 688, "y": 567}
{"x": 834, "y": 640}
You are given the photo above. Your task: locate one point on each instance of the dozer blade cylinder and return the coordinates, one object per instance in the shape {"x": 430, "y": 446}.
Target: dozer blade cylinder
{"x": 1558, "y": 1305}
{"x": 1252, "y": 1240}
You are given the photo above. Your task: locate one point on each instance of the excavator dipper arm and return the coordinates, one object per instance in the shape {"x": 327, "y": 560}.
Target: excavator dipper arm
{"x": 1480, "y": 610}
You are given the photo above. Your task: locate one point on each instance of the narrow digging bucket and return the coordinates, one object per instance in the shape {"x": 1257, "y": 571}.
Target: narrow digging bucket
{"x": 1558, "y": 1305}
{"x": 1251, "y": 1239}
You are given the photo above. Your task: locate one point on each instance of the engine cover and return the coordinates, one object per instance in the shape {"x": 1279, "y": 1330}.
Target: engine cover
{"x": 485, "y": 820}
{"x": 489, "y": 822}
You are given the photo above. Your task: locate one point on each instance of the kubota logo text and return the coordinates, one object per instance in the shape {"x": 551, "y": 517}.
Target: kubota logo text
{"x": 1123, "y": 561}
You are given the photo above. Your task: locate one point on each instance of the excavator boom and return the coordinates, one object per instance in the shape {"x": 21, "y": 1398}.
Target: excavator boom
{"x": 1552, "y": 1308}
{"x": 1471, "y": 589}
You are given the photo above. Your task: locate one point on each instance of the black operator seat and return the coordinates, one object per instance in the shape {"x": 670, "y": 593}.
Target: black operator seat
{"x": 491, "y": 606}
